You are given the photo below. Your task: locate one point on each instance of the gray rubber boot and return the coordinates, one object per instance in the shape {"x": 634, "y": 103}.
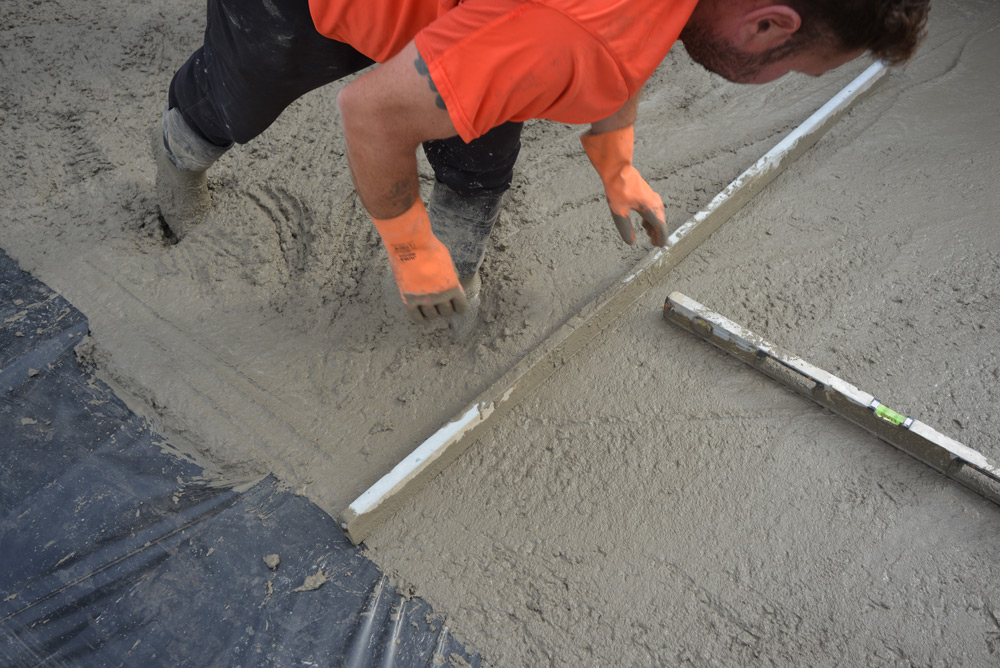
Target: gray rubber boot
{"x": 463, "y": 224}
{"x": 462, "y": 325}
{"x": 182, "y": 157}
{"x": 471, "y": 284}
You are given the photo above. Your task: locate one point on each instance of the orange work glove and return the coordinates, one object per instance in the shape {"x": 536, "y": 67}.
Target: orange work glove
{"x": 421, "y": 265}
{"x": 611, "y": 155}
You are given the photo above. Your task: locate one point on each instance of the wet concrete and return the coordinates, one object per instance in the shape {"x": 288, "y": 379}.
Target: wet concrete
{"x": 654, "y": 502}
{"x": 660, "y": 503}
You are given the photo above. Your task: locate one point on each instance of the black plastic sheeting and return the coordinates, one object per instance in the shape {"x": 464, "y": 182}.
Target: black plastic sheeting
{"x": 115, "y": 552}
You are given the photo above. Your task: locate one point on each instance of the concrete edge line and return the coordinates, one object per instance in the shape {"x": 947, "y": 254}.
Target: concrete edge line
{"x": 435, "y": 453}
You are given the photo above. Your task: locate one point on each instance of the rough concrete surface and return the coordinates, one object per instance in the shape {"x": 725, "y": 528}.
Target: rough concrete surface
{"x": 272, "y": 337}
{"x": 659, "y": 503}
{"x": 653, "y": 503}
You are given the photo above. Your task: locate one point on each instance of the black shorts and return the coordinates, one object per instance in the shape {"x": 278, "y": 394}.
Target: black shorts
{"x": 259, "y": 56}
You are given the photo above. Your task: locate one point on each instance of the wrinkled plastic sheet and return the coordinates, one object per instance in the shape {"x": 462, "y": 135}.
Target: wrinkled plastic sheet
{"x": 114, "y": 551}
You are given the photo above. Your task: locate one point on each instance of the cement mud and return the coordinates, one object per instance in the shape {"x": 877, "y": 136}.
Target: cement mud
{"x": 271, "y": 338}
{"x": 659, "y": 503}
{"x": 655, "y": 502}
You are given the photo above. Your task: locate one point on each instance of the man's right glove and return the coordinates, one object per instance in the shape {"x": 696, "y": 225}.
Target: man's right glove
{"x": 421, "y": 265}
{"x": 611, "y": 155}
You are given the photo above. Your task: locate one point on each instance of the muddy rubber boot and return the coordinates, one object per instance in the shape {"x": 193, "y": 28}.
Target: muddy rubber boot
{"x": 471, "y": 284}
{"x": 182, "y": 157}
{"x": 463, "y": 325}
{"x": 463, "y": 224}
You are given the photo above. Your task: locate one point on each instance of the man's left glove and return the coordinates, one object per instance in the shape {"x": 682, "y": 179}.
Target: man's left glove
{"x": 421, "y": 265}
{"x": 611, "y": 155}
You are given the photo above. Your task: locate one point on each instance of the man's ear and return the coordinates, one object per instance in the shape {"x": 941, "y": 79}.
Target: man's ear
{"x": 767, "y": 27}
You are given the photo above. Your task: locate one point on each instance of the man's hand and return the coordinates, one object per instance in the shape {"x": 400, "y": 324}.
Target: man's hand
{"x": 421, "y": 265}
{"x": 611, "y": 154}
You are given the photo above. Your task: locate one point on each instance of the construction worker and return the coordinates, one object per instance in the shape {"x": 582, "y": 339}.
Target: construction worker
{"x": 459, "y": 77}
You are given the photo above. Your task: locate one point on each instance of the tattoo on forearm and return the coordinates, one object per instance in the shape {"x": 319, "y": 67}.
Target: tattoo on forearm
{"x": 401, "y": 195}
{"x": 424, "y": 71}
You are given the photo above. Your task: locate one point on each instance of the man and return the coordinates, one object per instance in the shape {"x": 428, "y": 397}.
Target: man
{"x": 459, "y": 77}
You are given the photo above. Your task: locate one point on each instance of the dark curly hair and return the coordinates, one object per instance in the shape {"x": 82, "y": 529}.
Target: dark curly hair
{"x": 890, "y": 29}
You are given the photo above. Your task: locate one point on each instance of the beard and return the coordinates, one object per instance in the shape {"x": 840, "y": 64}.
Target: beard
{"x": 719, "y": 56}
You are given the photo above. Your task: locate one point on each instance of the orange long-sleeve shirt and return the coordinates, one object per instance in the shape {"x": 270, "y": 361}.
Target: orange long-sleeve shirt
{"x": 571, "y": 61}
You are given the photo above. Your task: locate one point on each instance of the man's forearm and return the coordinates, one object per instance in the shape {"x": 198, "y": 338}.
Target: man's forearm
{"x": 384, "y": 172}
{"x": 386, "y": 114}
{"x": 383, "y": 164}
{"x": 622, "y": 118}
